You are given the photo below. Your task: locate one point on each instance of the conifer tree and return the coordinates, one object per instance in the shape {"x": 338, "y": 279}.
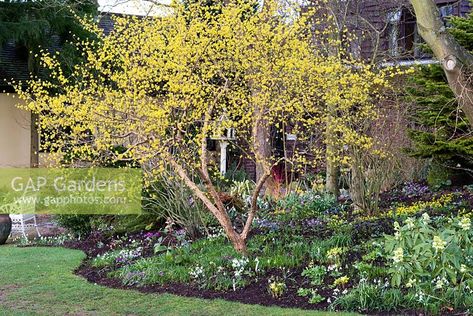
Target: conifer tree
{"x": 37, "y": 25}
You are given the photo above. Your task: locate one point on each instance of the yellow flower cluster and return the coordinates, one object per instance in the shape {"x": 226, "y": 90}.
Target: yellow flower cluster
{"x": 277, "y": 289}
{"x": 438, "y": 243}
{"x": 420, "y": 206}
{"x": 341, "y": 281}
{"x": 334, "y": 254}
{"x": 162, "y": 87}
{"x": 465, "y": 223}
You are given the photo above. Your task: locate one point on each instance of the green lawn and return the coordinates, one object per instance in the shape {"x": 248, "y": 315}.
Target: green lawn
{"x": 39, "y": 281}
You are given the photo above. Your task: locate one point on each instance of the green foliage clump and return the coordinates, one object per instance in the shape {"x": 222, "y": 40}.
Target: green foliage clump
{"x": 370, "y": 297}
{"x": 28, "y": 21}
{"x": 438, "y": 175}
{"x": 308, "y": 205}
{"x": 433, "y": 263}
{"x": 169, "y": 199}
{"x": 77, "y": 225}
{"x": 37, "y": 25}
{"x": 316, "y": 274}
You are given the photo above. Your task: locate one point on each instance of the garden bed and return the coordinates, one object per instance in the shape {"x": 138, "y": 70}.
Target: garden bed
{"x": 306, "y": 252}
{"x": 255, "y": 293}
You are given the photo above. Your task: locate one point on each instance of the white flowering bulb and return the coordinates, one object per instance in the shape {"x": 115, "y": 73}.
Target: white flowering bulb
{"x": 410, "y": 223}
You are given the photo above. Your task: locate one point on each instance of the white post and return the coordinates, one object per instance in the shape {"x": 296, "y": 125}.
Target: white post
{"x": 223, "y": 157}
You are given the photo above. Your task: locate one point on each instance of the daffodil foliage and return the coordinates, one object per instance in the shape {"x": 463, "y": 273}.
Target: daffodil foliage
{"x": 163, "y": 86}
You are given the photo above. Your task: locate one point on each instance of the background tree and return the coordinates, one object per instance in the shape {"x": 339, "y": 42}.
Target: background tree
{"x": 44, "y": 24}
{"x": 442, "y": 130}
{"x": 356, "y": 29}
{"x": 456, "y": 60}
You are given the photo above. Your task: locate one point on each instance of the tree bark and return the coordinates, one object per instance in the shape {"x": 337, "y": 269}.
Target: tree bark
{"x": 332, "y": 177}
{"x": 262, "y": 150}
{"x": 34, "y": 145}
{"x": 456, "y": 61}
{"x": 33, "y": 67}
{"x": 238, "y": 242}
{"x": 254, "y": 206}
{"x": 332, "y": 167}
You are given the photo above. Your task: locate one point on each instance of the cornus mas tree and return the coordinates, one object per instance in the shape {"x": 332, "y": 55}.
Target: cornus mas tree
{"x": 163, "y": 86}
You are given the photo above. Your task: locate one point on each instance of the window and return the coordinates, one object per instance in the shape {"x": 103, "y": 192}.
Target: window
{"x": 402, "y": 33}
{"x": 446, "y": 10}
{"x": 394, "y": 20}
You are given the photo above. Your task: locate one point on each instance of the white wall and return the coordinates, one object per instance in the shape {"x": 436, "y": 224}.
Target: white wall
{"x": 15, "y": 133}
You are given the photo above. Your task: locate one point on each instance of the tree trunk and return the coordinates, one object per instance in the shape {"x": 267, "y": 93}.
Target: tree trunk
{"x": 332, "y": 177}
{"x": 239, "y": 244}
{"x": 456, "y": 61}
{"x": 332, "y": 167}
{"x": 262, "y": 150}
{"x": 33, "y": 67}
{"x": 238, "y": 241}
{"x": 331, "y": 152}
{"x": 34, "y": 147}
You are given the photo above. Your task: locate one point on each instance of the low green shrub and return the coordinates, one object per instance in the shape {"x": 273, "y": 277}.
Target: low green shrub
{"x": 315, "y": 274}
{"x": 78, "y": 225}
{"x": 169, "y": 199}
{"x": 434, "y": 261}
{"x": 307, "y": 205}
{"x": 438, "y": 176}
{"x": 371, "y": 297}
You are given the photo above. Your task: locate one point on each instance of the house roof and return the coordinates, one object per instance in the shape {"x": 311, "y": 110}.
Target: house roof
{"x": 14, "y": 57}
{"x": 13, "y": 63}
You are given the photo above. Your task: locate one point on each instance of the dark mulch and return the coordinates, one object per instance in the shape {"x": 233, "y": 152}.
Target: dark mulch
{"x": 255, "y": 293}
{"x": 90, "y": 245}
{"x": 98, "y": 243}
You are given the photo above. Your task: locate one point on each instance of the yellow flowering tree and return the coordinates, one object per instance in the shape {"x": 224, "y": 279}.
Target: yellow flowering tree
{"x": 162, "y": 86}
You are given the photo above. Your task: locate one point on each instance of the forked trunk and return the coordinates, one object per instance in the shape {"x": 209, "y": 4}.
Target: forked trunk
{"x": 238, "y": 241}
{"x": 239, "y": 244}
